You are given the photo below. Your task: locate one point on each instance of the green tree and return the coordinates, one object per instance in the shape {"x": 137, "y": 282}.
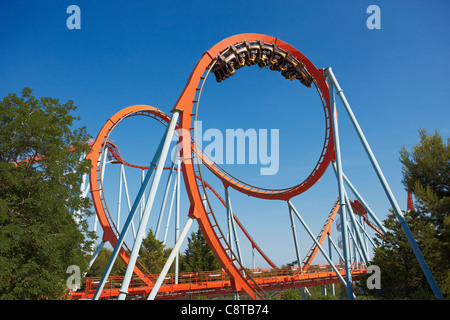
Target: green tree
{"x": 426, "y": 174}
{"x": 42, "y": 232}
{"x": 98, "y": 267}
{"x": 290, "y": 294}
{"x": 153, "y": 254}
{"x": 401, "y": 275}
{"x": 198, "y": 256}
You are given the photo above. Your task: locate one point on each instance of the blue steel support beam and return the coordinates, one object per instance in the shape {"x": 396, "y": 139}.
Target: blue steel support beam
{"x": 232, "y": 226}
{"x": 432, "y": 282}
{"x": 356, "y": 225}
{"x": 170, "y": 259}
{"x": 163, "y": 205}
{"x": 363, "y": 202}
{"x": 148, "y": 206}
{"x": 343, "y": 207}
{"x": 294, "y": 234}
{"x": 177, "y": 214}
{"x": 128, "y": 222}
{"x": 95, "y": 255}
{"x": 291, "y": 206}
{"x": 330, "y": 253}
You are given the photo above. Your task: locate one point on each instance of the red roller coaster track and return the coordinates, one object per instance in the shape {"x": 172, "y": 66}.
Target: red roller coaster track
{"x": 223, "y": 60}
{"x": 185, "y": 105}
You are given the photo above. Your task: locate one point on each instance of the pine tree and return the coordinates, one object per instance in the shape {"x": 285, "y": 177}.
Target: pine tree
{"x": 198, "y": 255}
{"x": 426, "y": 174}
{"x": 153, "y": 254}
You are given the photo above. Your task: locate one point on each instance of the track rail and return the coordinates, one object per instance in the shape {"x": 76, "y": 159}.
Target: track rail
{"x": 186, "y": 105}
{"x": 115, "y": 157}
{"x": 101, "y": 146}
{"x": 223, "y": 60}
{"x": 212, "y": 283}
{"x": 110, "y": 232}
{"x": 264, "y": 51}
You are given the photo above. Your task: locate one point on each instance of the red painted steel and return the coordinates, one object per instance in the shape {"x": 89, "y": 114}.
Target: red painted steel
{"x": 185, "y": 106}
{"x": 187, "y": 99}
{"x": 115, "y": 157}
{"x": 211, "y": 283}
{"x": 110, "y": 232}
{"x": 357, "y": 208}
{"x": 238, "y": 278}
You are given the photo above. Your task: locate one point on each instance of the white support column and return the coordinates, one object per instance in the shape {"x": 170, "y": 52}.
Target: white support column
{"x": 95, "y": 255}
{"x": 177, "y": 215}
{"x": 343, "y": 207}
{"x": 316, "y": 242}
{"x": 120, "y": 196}
{"x": 229, "y": 233}
{"x": 125, "y": 184}
{"x": 163, "y": 205}
{"x": 294, "y": 233}
{"x": 174, "y": 191}
{"x": 331, "y": 257}
{"x": 426, "y": 270}
{"x": 232, "y": 226}
{"x": 148, "y": 207}
{"x": 352, "y": 217}
{"x": 94, "y": 228}
{"x": 128, "y": 222}
{"x": 356, "y": 246}
{"x": 336, "y": 248}
{"x": 143, "y": 196}
{"x": 253, "y": 258}
{"x": 170, "y": 259}
{"x": 363, "y": 202}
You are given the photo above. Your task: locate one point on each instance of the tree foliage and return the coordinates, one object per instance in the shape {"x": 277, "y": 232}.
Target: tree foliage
{"x": 98, "y": 267}
{"x": 426, "y": 174}
{"x": 153, "y": 253}
{"x": 198, "y": 255}
{"x": 41, "y": 230}
{"x": 401, "y": 274}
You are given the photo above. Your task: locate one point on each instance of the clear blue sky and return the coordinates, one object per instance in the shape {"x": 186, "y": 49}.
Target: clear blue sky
{"x": 142, "y": 52}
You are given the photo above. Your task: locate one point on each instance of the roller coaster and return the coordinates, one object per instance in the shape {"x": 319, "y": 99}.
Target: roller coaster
{"x": 189, "y": 164}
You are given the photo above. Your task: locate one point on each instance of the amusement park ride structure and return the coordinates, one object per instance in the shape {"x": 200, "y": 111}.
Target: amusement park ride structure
{"x": 224, "y": 60}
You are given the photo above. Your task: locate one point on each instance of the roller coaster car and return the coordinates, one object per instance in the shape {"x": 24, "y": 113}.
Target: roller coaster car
{"x": 266, "y": 53}
{"x": 262, "y": 54}
{"x": 223, "y": 69}
{"x": 237, "y": 56}
{"x": 254, "y": 52}
{"x": 278, "y": 58}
